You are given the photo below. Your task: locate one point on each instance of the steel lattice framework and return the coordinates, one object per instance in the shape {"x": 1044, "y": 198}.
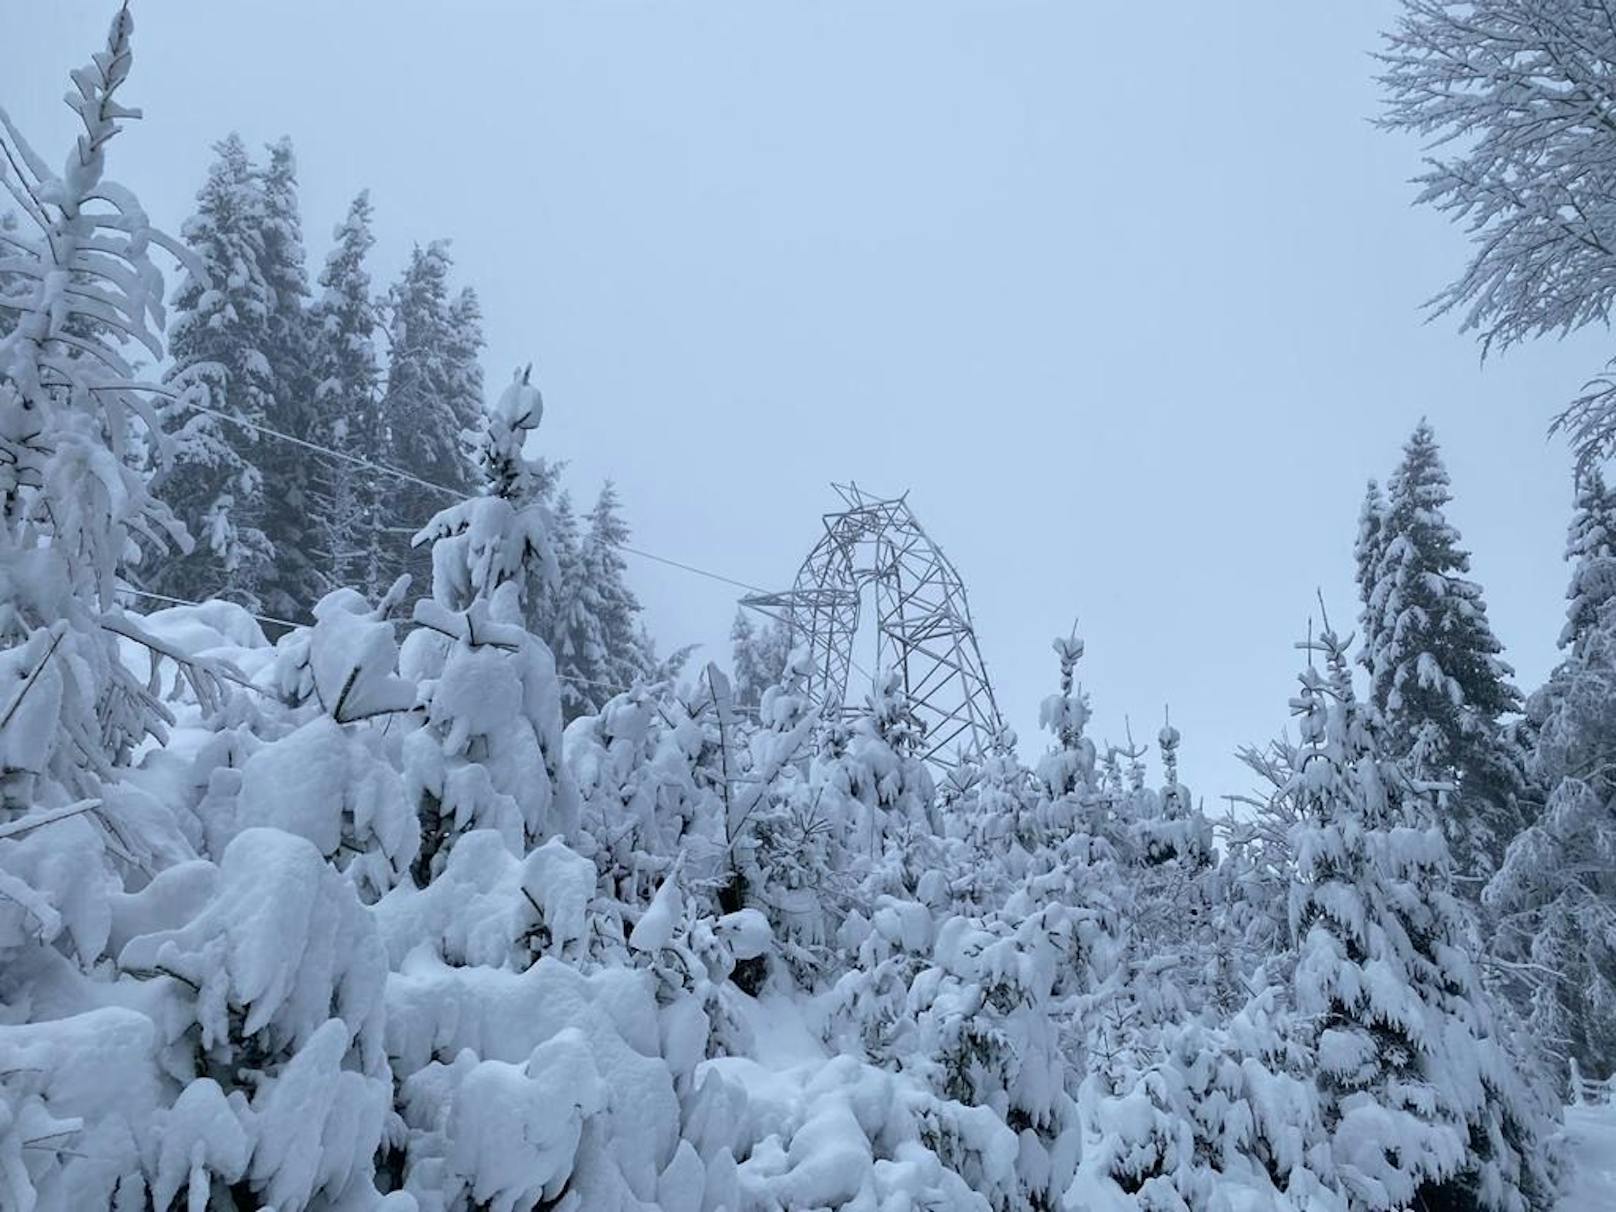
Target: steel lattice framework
{"x": 922, "y": 621}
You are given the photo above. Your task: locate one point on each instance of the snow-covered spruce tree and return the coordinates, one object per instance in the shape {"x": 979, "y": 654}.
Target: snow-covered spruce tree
{"x": 1147, "y": 879}
{"x": 988, "y": 1033}
{"x": 218, "y": 342}
{"x": 1221, "y": 1117}
{"x": 601, "y": 647}
{"x": 1512, "y": 94}
{"x": 787, "y": 849}
{"x": 880, "y": 799}
{"x": 981, "y": 1002}
{"x": 1436, "y": 672}
{"x": 1199, "y": 1093}
{"x": 1067, "y": 770}
{"x": 463, "y": 368}
{"x": 529, "y": 1072}
{"x": 997, "y": 819}
{"x": 1554, "y": 897}
{"x": 530, "y": 1075}
{"x": 489, "y": 755}
{"x": 1591, "y": 552}
{"x": 1169, "y": 828}
{"x": 332, "y": 775}
{"x": 1421, "y": 1103}
{"x": 551, "y": 614}
{"x": 423, "y": 410}
{"x": 541, "y": 1063}
{"x": 1173, "y": 890}
{"x": 889, "y": 795}
{"x": 346, "y": 376}
{"x": 295, "y": 582}
{"x": 759, "y": 655}
{"x": 1366, "y": 552}
{"x": 617, "y": 609}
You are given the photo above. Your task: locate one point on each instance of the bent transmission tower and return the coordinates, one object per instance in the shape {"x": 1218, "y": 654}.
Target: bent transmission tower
{"x": 923, "y": 626}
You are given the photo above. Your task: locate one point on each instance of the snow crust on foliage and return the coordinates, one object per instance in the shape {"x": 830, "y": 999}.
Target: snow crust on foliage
{"x": 510, "y": 1132}
{"x": 609, "y": 1019}
{"x": 92, "y": 1078}
{"x": 491, "y": 752}
{"x": 326, "y": 785}
{"x": 489, "y": 907}
{"x": 832, "y": 1131}
{"x": 281, "y": 941}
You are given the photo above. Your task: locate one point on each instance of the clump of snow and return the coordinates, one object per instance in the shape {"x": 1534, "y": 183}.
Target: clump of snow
{"x": 77, "y": 1097}
{"x": 488, "y": 907}
{"x": 329, "y": 785}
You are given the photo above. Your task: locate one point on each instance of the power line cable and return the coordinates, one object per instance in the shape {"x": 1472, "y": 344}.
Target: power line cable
{"x": 701, "y": 572}
{"x": 399, "y": 473}
{"x": 172, "y": 601}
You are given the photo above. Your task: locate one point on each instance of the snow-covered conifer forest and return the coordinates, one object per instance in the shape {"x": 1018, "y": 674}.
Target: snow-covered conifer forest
{"x": 360, "y": 851}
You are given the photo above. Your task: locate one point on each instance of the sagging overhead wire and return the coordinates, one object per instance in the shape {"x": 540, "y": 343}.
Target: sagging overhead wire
{"x": 396, "y": 472}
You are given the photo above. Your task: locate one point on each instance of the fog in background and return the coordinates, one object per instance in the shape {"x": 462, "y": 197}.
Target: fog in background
{"x": 1127, "y": 297}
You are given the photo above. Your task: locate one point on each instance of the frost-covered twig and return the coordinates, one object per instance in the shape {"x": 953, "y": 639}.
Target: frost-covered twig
{"x": 46, "y": 816}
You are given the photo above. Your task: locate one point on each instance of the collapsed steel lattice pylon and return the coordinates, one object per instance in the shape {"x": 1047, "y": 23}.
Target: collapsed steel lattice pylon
{"x": 922, "y": 622}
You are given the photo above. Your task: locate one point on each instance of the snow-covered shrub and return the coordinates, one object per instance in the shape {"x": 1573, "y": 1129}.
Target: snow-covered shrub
{"x": 1217, "y": 1122}
{"x": 79, "y": 1095}
{"x": 842, "y": 1134}
{"x": 445, "y": 1025}
{"x": 488, "y": 907}
{"x": 272, "y": 990}
{"x": 990, "y": 1035}
{"x": 638, "y": 769}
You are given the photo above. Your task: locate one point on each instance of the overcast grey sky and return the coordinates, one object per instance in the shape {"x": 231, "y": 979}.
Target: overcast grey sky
{"x": 1127, "y": 296}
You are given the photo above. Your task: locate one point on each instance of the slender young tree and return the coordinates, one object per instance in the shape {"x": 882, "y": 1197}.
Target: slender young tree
{"x": 1436, "y": 669}
{"x": 474, "y": 766}
{"x": 75, "y": 511}
{"x": 349, "y": 550}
